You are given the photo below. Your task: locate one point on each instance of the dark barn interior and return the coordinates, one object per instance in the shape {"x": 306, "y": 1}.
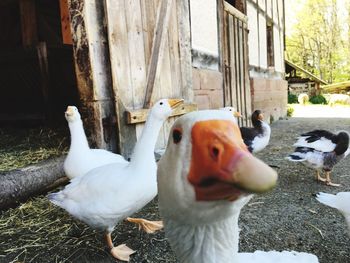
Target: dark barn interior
{"x": 36, "y": 61}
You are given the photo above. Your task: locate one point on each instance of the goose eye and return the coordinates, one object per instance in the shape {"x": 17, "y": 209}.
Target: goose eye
{"x": 177, "y": 136}
{"x": 161, "y": 103}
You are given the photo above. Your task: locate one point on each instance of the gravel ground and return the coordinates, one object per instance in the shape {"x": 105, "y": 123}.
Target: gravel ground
{"x": 288, "y": 218}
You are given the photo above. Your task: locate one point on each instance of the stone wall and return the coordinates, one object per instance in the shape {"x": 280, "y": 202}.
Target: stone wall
{"x": 270, "y": 96}
{"x": 208, "y": 88}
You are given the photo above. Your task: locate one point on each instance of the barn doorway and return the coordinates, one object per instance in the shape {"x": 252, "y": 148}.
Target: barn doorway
{"x": 36, "y": 62}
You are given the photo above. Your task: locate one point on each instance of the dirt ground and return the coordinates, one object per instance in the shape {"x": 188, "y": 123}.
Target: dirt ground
{"x": 288, "y": 218}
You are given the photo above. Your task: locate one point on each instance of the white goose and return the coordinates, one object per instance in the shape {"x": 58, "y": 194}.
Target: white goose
{"x": 233, "y": 111}
{"x": 81, "y": 158}
{"x": 205, "y": 177}
{"x": 108, "y": 194}
{"x": 340, "y": 201}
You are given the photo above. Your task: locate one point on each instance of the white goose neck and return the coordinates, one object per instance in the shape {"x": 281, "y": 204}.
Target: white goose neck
{"x": 144, "y": 149}
{"x": 210, "y": 243}
{"x": 78, "y": 137}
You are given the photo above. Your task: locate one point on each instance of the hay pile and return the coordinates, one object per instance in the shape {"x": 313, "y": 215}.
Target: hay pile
{"x": 34, "y": 231}
{"x": 21, "y": 147}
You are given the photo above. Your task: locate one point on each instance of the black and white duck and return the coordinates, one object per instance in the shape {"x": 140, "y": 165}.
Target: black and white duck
{"x": 257, "y": 137}
{"x": 321, "y": 150}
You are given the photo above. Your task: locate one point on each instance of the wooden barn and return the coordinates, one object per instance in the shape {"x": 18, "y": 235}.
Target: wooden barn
{"x": 114, "y": 58}
{"x": 302, "y": 81}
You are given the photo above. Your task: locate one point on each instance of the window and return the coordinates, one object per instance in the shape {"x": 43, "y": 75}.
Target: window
{"x": 269, "y": 44}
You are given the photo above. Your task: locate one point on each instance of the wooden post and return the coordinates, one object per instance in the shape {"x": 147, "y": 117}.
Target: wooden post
{"x": 65, "y": 23}
{"x": 93, "y": 71}
{"x": 28, "y": 22}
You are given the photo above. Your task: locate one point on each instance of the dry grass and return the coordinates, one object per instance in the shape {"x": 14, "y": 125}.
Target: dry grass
{"x": 21, "y": 147}
{"x": 33, "y": 232}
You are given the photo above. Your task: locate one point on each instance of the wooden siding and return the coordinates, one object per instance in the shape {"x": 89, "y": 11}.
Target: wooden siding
{"x": 143, "y": 69}
{"x": 235, "y": 55}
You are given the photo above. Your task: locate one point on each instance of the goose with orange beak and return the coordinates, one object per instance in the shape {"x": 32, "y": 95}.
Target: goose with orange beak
{"x": 110, "y": 193}
{"x": 205, "y": 177}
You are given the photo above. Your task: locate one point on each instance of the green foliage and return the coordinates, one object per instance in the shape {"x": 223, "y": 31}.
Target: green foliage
{"x": 319, "y": 99}
{"x": 290, "y": 111}
{"x": 319, "y": 41}
{"x": 292, "y": 98}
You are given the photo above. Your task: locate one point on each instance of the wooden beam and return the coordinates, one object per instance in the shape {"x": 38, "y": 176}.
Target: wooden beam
{"x": 235, "y": 12}
{"x": 185, "y": 49}
{"x": 28, "y": 22}
{"x": 90, "y": 47}
{"x": 138, "y": 116}
{"x": 159, "y": 40}
{"x": 65, "y": 23}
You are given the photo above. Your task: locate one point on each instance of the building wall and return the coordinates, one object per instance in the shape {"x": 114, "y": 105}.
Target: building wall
{"x": 207, "y": 88}
{"x": 207, "y": 79}
{"x": 268, "y": 87}
{"x": 259, "y": 12}
{"x": 270, "y": 95}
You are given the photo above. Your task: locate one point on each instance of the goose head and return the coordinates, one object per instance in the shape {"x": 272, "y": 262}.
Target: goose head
{"x": 257, "y": 115}
{"x": 163, "y": 108}
{"x": 233, "y": 111}
{"x": 72, "y": 114}
{"x": 206, "y": 169}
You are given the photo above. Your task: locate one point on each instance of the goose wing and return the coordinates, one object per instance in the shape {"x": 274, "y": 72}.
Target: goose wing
{"x": 320, "y": 140}
{"x": 248, "y": 136}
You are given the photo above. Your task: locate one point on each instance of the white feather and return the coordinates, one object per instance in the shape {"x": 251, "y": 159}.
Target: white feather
{"x": 81, "y": 159}
{"x": 340, "y": 201}
{"x": 277, "y": 257}
{"x": 323, "y": 144}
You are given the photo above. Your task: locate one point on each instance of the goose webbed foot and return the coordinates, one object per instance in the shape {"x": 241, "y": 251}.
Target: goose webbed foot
{"x": 332, "y": 184}
{"x": 146, "y": 225}
{"x": 328, "y": 180}
{"x": 121, "y": 252}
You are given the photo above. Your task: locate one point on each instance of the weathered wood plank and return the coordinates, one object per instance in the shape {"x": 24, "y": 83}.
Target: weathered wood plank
{"x": 136, "y": 51}
{"x": 247, "y": 80}
{"x": 183, "y": 13}
{"x": 232, "y": 61}
{"x": 138, "y": 116}
{"x": 235, "y": 12}
{"x": 92, "y": 70}
{"x": 27, "y": 10}
{"x": 65, "y": 23}
{"x": 237, "y": 67}
{"x": 227, "y": 63}
{"x": 158, "y": 44}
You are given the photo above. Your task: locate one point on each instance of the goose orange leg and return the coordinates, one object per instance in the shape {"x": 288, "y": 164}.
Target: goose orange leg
{"x": 328, "y": 180}
{"x": 319, "y": 177}
{"x": 121, "y": 252}
{"x": 146, "y": 225}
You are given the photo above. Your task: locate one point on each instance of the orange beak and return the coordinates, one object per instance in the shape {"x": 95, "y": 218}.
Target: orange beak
{"x": 175, "y": 102}
{"x": 237, "y": 114}
{"x": 221, "y": 166}
{"x": 69, "y": 111}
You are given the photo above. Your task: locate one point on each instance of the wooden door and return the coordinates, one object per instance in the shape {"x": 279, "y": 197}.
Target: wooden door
{"x": 235, "y": 60}
{"x": 147, "y": 66}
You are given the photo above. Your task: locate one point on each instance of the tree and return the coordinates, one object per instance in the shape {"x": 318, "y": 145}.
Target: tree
{"x": 319, "y": 43}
